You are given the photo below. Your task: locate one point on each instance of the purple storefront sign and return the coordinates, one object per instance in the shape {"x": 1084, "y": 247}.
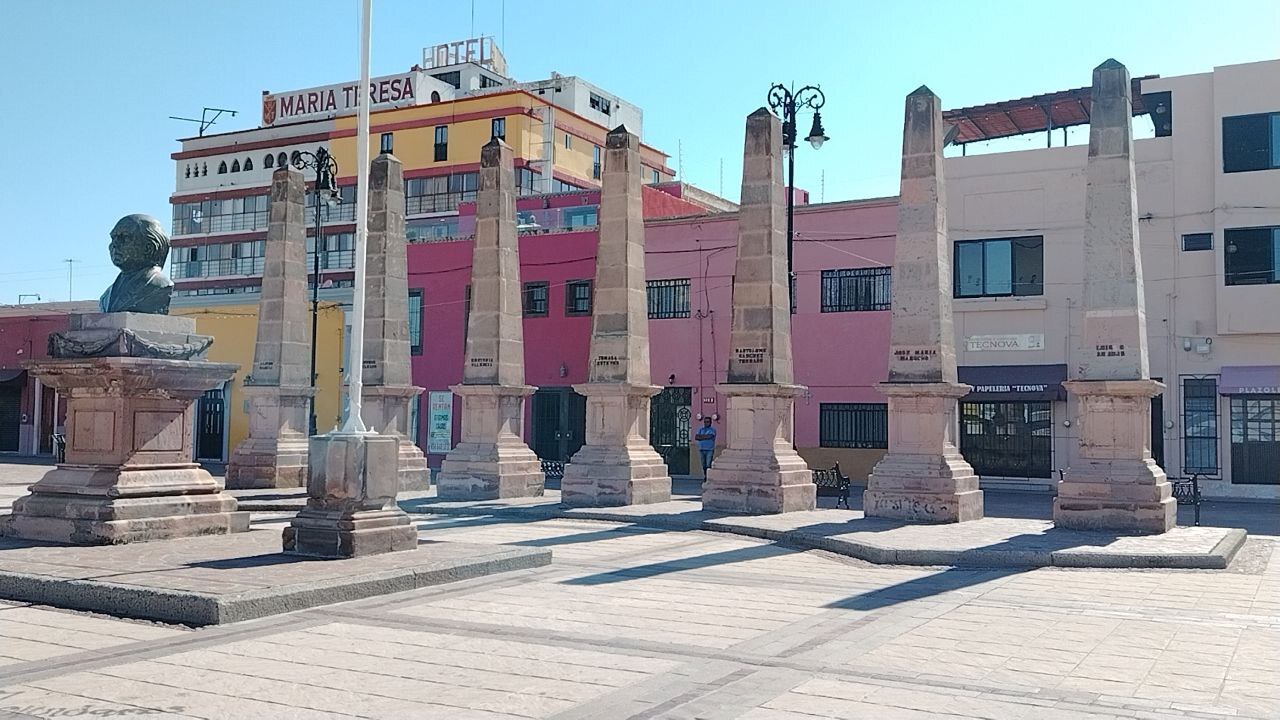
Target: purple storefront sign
{"x": 1250, "y": 380}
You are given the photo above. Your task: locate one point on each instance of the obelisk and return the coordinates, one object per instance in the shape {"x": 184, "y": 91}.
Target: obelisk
{"x": 1114, "y": 484}
{"x": 759, "y": 470}
{"x": 278, "y": 387}
{"x": 388, "y": 378}
{"x": 492, "y": 460}
{"x": 923, "y": 477}
{"x": 617, "y": 465}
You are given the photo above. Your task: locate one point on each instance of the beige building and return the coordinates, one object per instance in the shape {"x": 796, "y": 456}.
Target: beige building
{"x": 1209, "y": 204}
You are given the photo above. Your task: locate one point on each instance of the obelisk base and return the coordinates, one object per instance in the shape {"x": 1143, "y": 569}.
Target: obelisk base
{"x": 1115, "y": 485}
{"x": 759, "y": 472}
{"x": 923, "y": 477}
{"x": 386, "y": 411}
{"x": 617, "y": 465}
{"x": 492, "y": 461}
{"x": 274, "y": 455}
{"x": 351, "y": 500}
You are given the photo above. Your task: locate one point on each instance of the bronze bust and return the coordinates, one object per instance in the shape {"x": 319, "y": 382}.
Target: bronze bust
{"x": 139, "y": 248}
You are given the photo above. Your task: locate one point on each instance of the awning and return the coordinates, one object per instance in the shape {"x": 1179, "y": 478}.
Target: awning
{"x": 1014, "y": 383}
{"x": 8, "y": 374}
{"x": 1249, "y": 380}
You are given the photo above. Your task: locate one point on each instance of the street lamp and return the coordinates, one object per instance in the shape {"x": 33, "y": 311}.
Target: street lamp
{"x": 326, "y": 190}
{"x": 787, "y": 103}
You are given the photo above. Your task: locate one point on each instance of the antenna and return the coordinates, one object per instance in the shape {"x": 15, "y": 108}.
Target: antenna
{"x": 822, "y": 189}
{"x": 680, "y": 159}
{"x": 205, "y": 120}
{"x": 70, "y": 264}
{"x": 721, "y": 177}
{"x": 473, "y": 18}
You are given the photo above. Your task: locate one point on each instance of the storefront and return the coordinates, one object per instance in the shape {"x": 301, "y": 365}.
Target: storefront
{"x": 1006, "y": 422}
{"x": 1253, "y": 396}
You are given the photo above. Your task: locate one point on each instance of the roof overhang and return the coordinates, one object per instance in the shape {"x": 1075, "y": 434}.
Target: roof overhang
{"x": 1037, "y": 113}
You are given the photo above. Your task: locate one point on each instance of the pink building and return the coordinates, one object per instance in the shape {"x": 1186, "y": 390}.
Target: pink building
{"x": 29, "y": 412}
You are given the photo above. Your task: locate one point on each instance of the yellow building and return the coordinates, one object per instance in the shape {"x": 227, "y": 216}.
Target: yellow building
{"x": 435, "y": 118}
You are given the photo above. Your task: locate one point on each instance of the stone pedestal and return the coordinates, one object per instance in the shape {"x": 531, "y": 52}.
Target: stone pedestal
{"x": 492, "y": 461}
{"x": 278, "y": 387}
{"x": 351, "y": 509}
{"x": 386, "y": 412}
{"x": 923, "y": 478}
{"x": 759, "y": 470}
{"x": 274, "y": 455}
{"x": 1114, "y": 484}
{"x": 617, "y": 465}
{"x": 128, "y": 474}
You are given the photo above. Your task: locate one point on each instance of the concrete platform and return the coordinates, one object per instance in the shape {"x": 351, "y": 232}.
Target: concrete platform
{"x": 230, "y": 578}
{"x": 989, "y": 543}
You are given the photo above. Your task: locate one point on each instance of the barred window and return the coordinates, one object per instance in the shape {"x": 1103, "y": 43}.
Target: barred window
{"x": 854, "y": 289}
{"x": 668, "y": 299}
{"x": 853, "y": 425}
{"x": 1200, "y": 425}
{"x": 535, "y": 298}
{"x": 415, "y": 322}
{"x": 577, "y": 297}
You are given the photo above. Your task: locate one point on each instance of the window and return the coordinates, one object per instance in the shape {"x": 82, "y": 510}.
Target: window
{"x": 1002, "y": 267}
{"x": 568, "y": 141}
{"x": 656, "y": 177}
{"x": 1255, "y": 439}
{"x": 248, "y": 164}
{"x": 535, "y": 298}
{"x": 587, "y": 216}
{"x": 595, "y": 162}
{"x": 222, "y": 215}
{"x": 1008, "y": 439}
{"x": 415, "y": 322}
{"x": 853, "y": 425}
{"x": 295, "y": 157}
{"x": 440, "y": 193}
{"x": 524, "y": 180}
{"x": 435, "y": 96}
{"x": 577, "y": 297}
{"x": 1200, "y": 426}
{"x": 222, "y": 168}
{"x": 488, "y": 82}
{"x": 453, "y": 78}
{"x": 792, "y": 283}
{"x": 282, "y": 160}
{"x": 1252, "y": 256}
{"x": 386, "y": 142}
{"x": 560, "y": 186}
{"x": 600, "y": 103}
{"x": 218, "y": 260}
{"x": 188, "y": 169}
{"x": 1197, "y": 241}
{"x": 499, "y": 128}
{"x": 442, "y": 143}
{"x": 269, "y": 161}
{"x": 855, "y": 289}
{"x": 235, "y": 166}
{"x": 1251, "y": 142}
{"x": 668, "y": 299}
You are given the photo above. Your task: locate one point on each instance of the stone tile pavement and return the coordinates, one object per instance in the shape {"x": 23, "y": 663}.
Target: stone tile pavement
{"x": 631, "y": 622}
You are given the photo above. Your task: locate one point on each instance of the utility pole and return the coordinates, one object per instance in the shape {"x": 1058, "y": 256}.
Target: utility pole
{"x": 70, "y": 263}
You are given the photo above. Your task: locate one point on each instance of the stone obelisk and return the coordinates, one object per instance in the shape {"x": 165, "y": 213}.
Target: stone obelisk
{"x": 388, "y": 381}
{"x": 617, "y": 465}
{"x": 492, "y": 460}
{"x": 760, "y": 470}
{"x": 278, "y": 388}
{"x": 1114, "y": 484}
{"x": 922, "y": 478}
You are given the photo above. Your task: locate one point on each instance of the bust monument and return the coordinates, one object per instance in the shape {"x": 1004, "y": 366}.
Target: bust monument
{"x": 139, "y": 248}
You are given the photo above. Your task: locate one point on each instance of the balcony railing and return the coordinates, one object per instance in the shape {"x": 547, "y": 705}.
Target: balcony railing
{"x": 239, "y": 222}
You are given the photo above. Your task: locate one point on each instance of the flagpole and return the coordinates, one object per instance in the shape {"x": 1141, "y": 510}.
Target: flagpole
{"x": 354, "y": 423}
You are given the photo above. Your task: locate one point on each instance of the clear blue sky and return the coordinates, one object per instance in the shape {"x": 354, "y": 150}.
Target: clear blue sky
{"x": 89, "y": 85}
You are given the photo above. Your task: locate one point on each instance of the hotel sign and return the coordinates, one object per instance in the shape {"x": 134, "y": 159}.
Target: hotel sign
{"x": 482, "y": 51}
{"x": 996, "y": 343}
{"x": 328, "y": 101}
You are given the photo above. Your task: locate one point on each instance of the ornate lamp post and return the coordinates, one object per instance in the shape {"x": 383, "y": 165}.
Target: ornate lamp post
{"x": 787, "y": 103}
{"x": 326, "y": 189}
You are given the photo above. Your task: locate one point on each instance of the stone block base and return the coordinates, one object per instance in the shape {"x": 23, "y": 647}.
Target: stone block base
{"x": 268, "y": 463}
{"x": 1124, "y": 496}
{"x": 334, "y": 534}
{"x": 414, "y": 473}
{"x": 90, "y": 505}
{"x": 923, "y": 488}
{"x": 759, "y": 472}
{"x": 488, "y": 471}
{"x": 599, "y": 476}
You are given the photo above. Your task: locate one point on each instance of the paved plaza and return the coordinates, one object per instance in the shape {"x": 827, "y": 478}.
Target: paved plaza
{"x": 631, "y": 622}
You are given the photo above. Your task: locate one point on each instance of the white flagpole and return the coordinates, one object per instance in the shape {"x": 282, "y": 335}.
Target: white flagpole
{"x": 353, "y": 423}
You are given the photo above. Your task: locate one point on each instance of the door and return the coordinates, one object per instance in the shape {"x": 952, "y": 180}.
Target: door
{"x": 669, "y": 414}
{"x": 210, "y": 424}
{"x": 10, "y": 416}
{"x": 1255, "y": 439}
{"x": 1157, "y": 428}
{"x": 559, "y": 423}
{"x": 1007, "y": 439}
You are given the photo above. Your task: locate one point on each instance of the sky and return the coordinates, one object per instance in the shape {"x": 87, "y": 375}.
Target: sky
{"x": 89, "y": 85}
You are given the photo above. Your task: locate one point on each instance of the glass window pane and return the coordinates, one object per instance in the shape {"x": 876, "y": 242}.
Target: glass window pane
{"x": 1275, "y": 255}
{"x": 1028, "y": 266}
{"x": 1275, "y": 140}
{"x": 968, "y": 269}
{"x": 998, "y": 268}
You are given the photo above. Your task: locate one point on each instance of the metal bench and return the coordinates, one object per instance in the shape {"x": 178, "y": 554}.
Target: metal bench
{"x": 1187, "y": 492}
{"x": 553, "y": 469}
{"x": 60, "y": 447}
{"x": 832, "y": 483}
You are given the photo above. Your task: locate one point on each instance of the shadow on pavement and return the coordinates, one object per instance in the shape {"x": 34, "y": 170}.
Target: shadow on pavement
{"x": 666, "y": 567}
{"x": 938, "y": 583}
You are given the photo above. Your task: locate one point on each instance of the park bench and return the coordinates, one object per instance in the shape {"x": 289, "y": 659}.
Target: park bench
{"x": 553, "y": 469}
{"x": 1187, "y": 492}
{"x": 60, "y": 447}
{"x": 832, "y": 483}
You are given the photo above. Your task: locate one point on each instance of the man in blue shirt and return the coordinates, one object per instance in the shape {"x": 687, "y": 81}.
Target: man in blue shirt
{"x": 706, "y": 438}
